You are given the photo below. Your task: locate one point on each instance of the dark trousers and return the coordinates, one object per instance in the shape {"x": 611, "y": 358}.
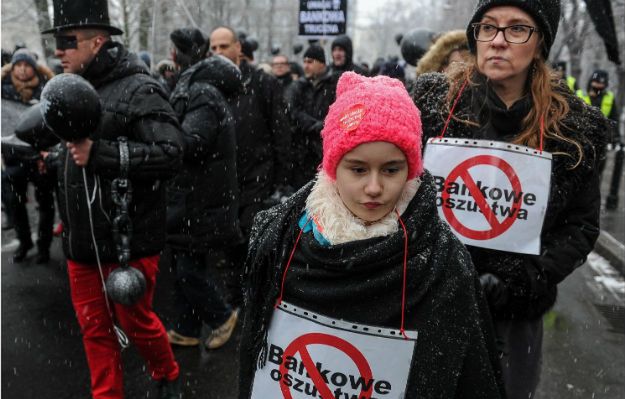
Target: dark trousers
{"x": 521, "y": 362}
{"x": 15, "y": 180}
{"x": 198, "y": 297}
{"x": 237, "y": 253}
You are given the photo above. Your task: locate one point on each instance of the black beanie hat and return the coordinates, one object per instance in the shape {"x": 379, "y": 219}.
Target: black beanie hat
{"x": 546, "y": 13}
{"x": 316, "y": 53}
{"x": 190, "y": 41}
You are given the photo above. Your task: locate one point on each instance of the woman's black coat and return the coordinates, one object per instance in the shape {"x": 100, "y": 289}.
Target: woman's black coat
{"x": 571, "y": 224}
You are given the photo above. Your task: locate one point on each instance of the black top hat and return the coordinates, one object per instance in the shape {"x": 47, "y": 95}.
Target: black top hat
{"x": 76, "y": 14}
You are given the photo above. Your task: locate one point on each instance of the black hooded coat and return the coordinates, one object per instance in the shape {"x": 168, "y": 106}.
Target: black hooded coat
{"x": 361, "y": 281}
{"x": 571, "y": 224}
{"x": 345, "y": 43}
{"x": 202, "y": 209}
{"x": 135, "y": 106}
{"x": 309, "y": 102}
{"x": 263, "y": 138}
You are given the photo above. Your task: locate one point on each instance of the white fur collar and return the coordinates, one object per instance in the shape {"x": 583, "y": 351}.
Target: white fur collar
{"x": 338, "y": 224}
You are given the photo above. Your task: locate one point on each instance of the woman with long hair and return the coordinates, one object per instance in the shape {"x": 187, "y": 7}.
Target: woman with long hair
{"x": 500, "y": 125}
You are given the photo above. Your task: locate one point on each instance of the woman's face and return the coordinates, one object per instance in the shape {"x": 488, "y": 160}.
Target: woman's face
{"x": 501, "y": 61}
{"x": 23, "y": 71}
{"x": 371, "y": 178}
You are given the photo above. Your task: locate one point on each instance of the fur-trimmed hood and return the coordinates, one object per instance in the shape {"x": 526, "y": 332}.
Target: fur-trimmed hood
{"x": 438, "y": 54}
{"x": 43, "y": 71}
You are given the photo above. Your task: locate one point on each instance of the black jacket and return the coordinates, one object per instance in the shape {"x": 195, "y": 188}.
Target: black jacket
{"x": 571, "y": 224}
{"x": 135, "y": 106}
{"x": 202, "y": 209}
{"x": 309, "y": 102}
{"x": 263, "y": 137}
{"x": 361, "y": 281}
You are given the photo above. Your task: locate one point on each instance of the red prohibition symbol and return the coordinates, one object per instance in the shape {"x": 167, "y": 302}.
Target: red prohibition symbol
{"x": 462, "y": 171}
{"x": 300, "y": 345}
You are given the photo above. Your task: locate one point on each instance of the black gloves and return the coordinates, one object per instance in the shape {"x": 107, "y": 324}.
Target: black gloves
{"x": 495, "y": 290}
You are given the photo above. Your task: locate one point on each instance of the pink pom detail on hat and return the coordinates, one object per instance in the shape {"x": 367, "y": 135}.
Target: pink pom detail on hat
{"x": 367, "y": 110}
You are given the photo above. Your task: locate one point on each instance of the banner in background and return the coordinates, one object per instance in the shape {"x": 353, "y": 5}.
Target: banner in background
{"x": 320, "y": 18}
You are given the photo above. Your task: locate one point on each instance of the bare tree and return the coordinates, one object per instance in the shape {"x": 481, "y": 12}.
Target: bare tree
{"x": 43, "y": 22}
{"x": 575, "y": 25}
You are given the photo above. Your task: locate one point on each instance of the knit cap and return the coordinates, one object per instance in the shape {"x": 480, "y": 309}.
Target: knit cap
{"x": 24, "y": 55}
{"x": 368, "y": 110}
{"x": 315, "y": 52}
{"x": 546, "y": 13}
{"x": 189, "y": 41}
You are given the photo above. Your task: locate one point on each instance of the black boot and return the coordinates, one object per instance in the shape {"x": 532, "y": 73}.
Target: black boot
{"x": 22, "y": 251}
{"x": 169, "y": 389}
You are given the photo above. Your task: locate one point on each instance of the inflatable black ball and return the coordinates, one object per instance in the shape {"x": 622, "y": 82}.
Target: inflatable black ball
{"x": 32, "y": 129}
{"x": 415, "y": 43}
{"x": 70, "y": 107}
{"x": 125, "y": 285}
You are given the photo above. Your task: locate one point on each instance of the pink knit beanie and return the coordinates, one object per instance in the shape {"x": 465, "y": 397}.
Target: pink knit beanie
{"x": 371, "y": 109}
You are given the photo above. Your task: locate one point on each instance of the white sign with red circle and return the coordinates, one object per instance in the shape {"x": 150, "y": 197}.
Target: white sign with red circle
{"x": 313, "y": 356}
{"x": 492, "y": 194}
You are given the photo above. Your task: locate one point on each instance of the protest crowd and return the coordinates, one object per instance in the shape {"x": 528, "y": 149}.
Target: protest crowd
{"x": 416, "y": 215}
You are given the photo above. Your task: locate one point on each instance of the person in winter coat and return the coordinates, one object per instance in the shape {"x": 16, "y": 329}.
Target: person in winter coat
{"x": 263, "y": 142}
{"x": 559, "y": 68}
{"x": 281, "y": 69}
{"x": 202, "y": 211}
{"x": 450, "y": 48}
{"x": 166, "y": 75}
{"x": 342, "y": 56}
{"x": 22, "y": 81}
{"x": 598, "y": 95}
{"x": 134, "y": 106}
{"x": 309, "y": 99}
{"x": 357, "y": 272}
{"x": 508, "y": 95}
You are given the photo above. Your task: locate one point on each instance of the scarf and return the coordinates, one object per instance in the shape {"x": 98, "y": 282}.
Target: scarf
{"x": 25, "y": 88}
{"x": 338, "y": 224}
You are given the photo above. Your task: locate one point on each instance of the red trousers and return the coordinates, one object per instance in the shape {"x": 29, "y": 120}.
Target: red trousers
{"x": 139, "y": 322}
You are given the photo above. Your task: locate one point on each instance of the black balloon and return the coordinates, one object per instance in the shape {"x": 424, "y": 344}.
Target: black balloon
{"x": 297, "y": 48}
{"x": 32, "y": 129}
{"x": 253, "y": 43}
{"x": 125, "y": 285}
{"x": 70, "y": 107}
{"x": 398, "y": 38}
{"x": 415, "y": 43}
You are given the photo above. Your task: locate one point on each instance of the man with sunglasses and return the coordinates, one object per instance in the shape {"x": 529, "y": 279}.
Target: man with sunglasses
{"x": 134, "y": 106}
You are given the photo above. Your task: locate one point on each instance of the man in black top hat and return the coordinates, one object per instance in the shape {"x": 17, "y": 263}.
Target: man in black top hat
{"x": 135, "y": 107}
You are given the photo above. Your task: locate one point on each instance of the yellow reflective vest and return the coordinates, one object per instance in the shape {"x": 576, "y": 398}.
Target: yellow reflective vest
{"x": 607, "y": 102}
{"x": 570, "y": 81}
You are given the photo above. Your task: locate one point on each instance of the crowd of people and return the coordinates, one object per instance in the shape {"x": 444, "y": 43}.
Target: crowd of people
{"x": 311, "y": 186}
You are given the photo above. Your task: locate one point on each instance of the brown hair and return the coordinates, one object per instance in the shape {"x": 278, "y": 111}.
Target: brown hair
{"x": 548, "y": 101}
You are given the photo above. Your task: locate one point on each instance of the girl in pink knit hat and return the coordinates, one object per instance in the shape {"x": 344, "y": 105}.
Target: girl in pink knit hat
{"x": 355, "y": 287}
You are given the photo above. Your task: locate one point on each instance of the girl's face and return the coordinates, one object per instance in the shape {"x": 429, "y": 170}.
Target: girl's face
{"x": 371, "y": 178}
{"x": 499, "y": 60}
